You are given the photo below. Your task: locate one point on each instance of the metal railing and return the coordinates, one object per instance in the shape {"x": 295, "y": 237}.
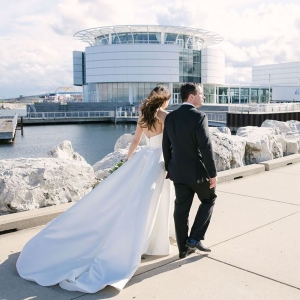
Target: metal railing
{"x": 81, "y": 114}
{"x": 126, "y": 114}
{"x": 218, "y": 117}
{"x": 278, "y": 107}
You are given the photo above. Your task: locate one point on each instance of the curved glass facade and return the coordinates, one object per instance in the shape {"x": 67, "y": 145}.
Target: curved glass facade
{"x": 189, "y": 65}
{"x": 183, "y": 40}
{"x": 119, "y": 92}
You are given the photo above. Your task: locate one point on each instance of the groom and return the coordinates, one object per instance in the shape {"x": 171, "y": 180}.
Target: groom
{"x": 189, "y": 163}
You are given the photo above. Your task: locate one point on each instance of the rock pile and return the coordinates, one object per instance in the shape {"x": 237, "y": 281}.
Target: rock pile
{"x": 65, "y": 176}
{"x": 30, "y": 183}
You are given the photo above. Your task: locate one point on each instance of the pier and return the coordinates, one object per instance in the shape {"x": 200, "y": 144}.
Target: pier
{"x": 58, "y": 113}
{"x": 229, "y": 115}
{"x": 255, "y": 115}
{"x": 8, "y": 126}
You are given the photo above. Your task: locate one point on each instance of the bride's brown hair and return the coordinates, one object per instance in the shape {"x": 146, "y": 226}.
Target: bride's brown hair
{"x": 151, "y": 104}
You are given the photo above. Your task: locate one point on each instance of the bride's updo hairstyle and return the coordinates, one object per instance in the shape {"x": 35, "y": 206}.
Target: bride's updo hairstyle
{"x": 158, "y": 96}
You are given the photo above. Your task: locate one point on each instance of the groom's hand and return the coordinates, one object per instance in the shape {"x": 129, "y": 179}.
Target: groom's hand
{"x": 213, "y": 182}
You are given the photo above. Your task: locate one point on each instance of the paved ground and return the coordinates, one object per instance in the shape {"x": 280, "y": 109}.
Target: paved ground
{"x": 255, "y": 241}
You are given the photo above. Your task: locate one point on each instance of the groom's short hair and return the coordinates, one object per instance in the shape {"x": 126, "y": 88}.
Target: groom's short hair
{"x": 186, "y": 89}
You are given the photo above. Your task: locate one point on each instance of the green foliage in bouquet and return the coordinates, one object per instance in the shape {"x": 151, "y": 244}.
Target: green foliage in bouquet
{"x": 116, "y": 166}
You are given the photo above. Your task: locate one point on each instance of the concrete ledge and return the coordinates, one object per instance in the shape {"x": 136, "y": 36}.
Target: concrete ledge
{"x": 32, "y": 218}
{"x": 281, "y": 162}
{"x": 42, "y": 216}
{"x": 240, "y": 172}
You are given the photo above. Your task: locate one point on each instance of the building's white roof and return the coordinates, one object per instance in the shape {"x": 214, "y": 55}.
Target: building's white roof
{"x": 89, "y": 35}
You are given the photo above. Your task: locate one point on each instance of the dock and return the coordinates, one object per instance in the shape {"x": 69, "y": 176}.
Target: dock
{"x": 8, "y": 126}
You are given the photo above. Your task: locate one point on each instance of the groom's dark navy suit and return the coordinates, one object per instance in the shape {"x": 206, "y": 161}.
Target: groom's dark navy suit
{"x": 189, "y": 162}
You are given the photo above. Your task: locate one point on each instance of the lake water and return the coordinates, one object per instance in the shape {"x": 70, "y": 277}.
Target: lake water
{"x": 92, "y": 141}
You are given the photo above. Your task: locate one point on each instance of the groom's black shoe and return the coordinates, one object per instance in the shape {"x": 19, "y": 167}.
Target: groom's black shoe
{"x": 192, "y": 243}
{"x": 186, "y": 253}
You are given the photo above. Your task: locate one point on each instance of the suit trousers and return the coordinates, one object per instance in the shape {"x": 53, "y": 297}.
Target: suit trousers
{"x": 183, "y": 202}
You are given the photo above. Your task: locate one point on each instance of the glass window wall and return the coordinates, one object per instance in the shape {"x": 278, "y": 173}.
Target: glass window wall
{"x": 222, "y": 95}
{"x": 264, "y": 95}
{"x": 189, "y": 65}
{"x": 118, "y": 92}
{"x": 170, "y": 38}
{"x": 234, "y": 95}
{"x": 184, "y": 41}
{"x": 245, "y": 95}
{"x": 254, "y": 95}
{"x": 210, "y": 93}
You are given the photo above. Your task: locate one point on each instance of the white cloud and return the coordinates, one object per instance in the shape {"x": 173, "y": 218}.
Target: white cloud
{"x": 37, "y": 36}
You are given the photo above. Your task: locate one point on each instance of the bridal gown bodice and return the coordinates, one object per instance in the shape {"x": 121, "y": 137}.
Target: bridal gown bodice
{"x": 99, "y": 240}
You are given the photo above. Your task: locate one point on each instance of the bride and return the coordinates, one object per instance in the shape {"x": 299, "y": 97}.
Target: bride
{"x": 100, "y": 239}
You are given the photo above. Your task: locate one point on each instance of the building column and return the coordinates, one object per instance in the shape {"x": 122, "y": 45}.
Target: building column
{"x": 130, "y": 96}
{"x": 249, "y": 99}
{"x": 97, "y": 92}
{"x": 171, "y": 90}
{"x": 162, "y": 38}
{"x": 215, "y": 94}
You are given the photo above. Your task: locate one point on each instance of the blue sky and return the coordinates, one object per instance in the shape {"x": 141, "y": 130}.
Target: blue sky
{"x": 36, "y": 36}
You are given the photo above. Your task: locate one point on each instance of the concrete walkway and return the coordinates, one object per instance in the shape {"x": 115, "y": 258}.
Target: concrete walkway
{"x": 254, "y": 236}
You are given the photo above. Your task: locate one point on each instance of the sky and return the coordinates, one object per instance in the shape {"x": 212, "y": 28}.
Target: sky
{"x": 36, "y": 36}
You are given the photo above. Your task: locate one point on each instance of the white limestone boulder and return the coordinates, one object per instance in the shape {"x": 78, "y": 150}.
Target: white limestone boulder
{"x": 262, "y": 144}
{"x": 289, "y": 134}
{"x": 220, "y": 129}
{"x": 292, "y": 143}
{"x": 124, "y": 141}
{"x": 294, "y": 125}
{"x": 229, "y": 150}
{"x": 282, "y": 127}
{"x": 104, "y": 167}
{"x": 65, "y": 151}
{"x": 31, "y": 183}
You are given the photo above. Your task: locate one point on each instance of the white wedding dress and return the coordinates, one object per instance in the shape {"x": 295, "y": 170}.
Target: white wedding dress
{"x": 99, "y": 241}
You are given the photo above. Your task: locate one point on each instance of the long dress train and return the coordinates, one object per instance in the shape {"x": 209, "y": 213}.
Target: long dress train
{"x": 100, "y": 239}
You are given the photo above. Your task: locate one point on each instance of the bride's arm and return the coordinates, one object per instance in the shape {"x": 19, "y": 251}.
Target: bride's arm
{"x": 135, "y": 141}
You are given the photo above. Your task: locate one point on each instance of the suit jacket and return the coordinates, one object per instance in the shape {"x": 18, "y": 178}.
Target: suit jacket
{"x": 187, "y": 147}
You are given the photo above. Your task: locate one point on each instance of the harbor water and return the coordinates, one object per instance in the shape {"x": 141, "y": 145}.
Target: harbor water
{"x": 92, "y": 141}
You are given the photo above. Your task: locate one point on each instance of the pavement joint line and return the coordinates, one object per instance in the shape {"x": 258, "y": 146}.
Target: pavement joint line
{"x": 267, "y": 224}
{"x": 266, "y": 199}
{"x": 85, "y": 294}
{"x": 175, "y": 259}
{"x": 159, "y": 266}
{"x": 254, "y": 273}
{"x": 273, "y": 171}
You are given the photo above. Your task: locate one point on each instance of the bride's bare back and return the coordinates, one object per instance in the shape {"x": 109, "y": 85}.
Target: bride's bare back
{"x": 159, "y": 128}
{"x": 159, "y": 125}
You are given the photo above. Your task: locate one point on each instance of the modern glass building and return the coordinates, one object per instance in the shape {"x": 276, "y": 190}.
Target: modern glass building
{"x": 122, "y": 64}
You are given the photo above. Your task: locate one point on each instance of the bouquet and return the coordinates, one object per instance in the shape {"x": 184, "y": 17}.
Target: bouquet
{"x": 117, "y": 166}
